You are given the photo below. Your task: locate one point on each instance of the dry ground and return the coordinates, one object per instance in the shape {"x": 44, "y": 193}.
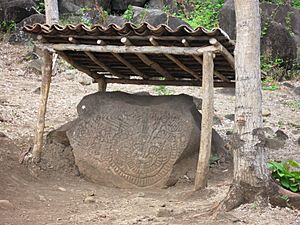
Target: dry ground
{"x": 26, "y": 198}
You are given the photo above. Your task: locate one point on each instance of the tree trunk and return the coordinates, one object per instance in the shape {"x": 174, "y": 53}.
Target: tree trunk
{"x": 251, "y": 177}
{"x": 51, "y": 8}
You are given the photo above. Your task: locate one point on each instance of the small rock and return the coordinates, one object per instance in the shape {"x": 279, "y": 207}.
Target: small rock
{"x": 2, "y": 135}
{"x": 5, "y": 204}
{"x": 62, "y": 189}
{"x": 42, "y": 198}
{"x": 297, "y": 91}
{"x": 266, "y": 113}
{"x": 37, "y": 90}
{"x": 217, "y": 120}
{"x": 229, "y": 132}
{"x": 288, "y": 85}
{"x": 230, "y": 117}
{"x": 85, "y": 80}
{"x": 298, "y": 141}
{"x": 281, "y": 135}
{"x": 89, "y": 199}
{"x": 141, "y": 195}
{"x": 165, "y": 212}
{"x": 274, "y": 143}
{"x": 69, "y": 74}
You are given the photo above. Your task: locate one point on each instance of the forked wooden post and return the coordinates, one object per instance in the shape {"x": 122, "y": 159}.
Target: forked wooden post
{"x": 46, "y": 80}
{"x": 207, "y": 121}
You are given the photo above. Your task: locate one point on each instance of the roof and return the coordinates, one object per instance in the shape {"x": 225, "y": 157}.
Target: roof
{"x": 105, "y": 52}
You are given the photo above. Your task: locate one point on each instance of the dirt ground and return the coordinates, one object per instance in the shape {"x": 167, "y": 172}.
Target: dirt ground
{"x": 27, "y": 197}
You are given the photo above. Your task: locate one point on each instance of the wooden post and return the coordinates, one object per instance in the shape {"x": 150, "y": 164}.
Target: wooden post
{"x": 207, "y": 121}
{"x": 46, "y": 80}
{"x": 101, "y": 84}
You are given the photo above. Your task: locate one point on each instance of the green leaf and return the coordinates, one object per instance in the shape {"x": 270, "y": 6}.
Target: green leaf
{"x": 293, "y": 163}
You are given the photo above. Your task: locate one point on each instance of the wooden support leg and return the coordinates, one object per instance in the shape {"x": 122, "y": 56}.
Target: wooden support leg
{"x": 207, "y": 121}
{"x": 101, "y": 85}
{"x": 46, "y": 80}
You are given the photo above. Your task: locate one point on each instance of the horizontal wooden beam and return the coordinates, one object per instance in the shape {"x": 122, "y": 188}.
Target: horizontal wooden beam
{"x": 163, "y": 38}
{"x": 166, "y": 82}
{"x": 135, "y": 49}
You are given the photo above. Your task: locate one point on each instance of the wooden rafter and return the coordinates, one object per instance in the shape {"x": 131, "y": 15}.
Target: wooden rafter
{"x": 78, "y": 67}
{"x": 176, "y": 61}
{"x": 102, "y": 65}
{"x": 199, "y": 60}
{"x": 226, "y": 54}
{"x": 149, "y": 62}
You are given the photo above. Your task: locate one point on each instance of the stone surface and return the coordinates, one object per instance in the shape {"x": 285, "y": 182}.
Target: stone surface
{"x": 155, "y": 17}
{"x": 281, "y": 135}
{"x": 57, "y": 155}
{"x": 5, "y": 204}
{"x": 297, "y": 91}
{"x": 280, "y": 25}
{"x": 16, "y": 10}
{"x": 282, "y": 45}
{"x": 19, "y": 35}
{"x": 136, "y": 141}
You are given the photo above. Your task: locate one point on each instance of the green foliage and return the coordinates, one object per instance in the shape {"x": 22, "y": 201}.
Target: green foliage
{"x": 128, "y": 14}
{"x": 162, "y": 90}
{"x": 286, "y": 173}
{"x": 7, "y": 26}
{"x": 206, "y": 13}
{"x": 40, "y": 7}
{"x": 294, "y": 104}
{"x": 269, "y": 84}
{"x": 294, "y": 3}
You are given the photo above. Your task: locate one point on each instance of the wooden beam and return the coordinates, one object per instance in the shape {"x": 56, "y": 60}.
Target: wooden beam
{"x": 40, "y": 126}
{"x": 149, "y": 62}
{"x": 199, "y": 60}
{"x": 226, "y": 54}
{"x": 166, "y": 82}
{"x": 206, "y": 121}
{"x": 146, "y": 38}
{"x": 134, "y": 49}
{"x": 176, "y": 61}
{"x": 102, "y": 65}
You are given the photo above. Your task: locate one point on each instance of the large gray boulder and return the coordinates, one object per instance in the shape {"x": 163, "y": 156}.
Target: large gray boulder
{"x": 154, "y": 17}
{"x": 19, "y": 35}
{"x": 16, "y": 10}
{"x": 132, "y": 141}
{"x": 280, "y": 29}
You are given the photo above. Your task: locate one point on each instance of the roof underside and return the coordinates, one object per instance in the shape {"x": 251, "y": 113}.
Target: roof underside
{"x": 138, "y": 68}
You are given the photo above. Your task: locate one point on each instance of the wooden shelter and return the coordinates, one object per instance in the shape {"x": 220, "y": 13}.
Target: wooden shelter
{"x": 143, "y": 55}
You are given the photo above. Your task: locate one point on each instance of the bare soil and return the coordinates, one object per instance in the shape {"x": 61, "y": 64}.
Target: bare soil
{"x": 33, "y": 197}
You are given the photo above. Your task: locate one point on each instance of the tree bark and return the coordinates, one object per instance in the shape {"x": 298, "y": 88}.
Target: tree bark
{"x": 251, "y": 177}
{"x": 51, "y": 8}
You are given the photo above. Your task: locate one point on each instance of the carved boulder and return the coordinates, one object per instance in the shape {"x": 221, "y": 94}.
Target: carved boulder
{"x": 131, "y": 141}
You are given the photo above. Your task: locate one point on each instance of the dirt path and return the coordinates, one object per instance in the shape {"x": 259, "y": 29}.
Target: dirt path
{"x": 52, "y": 199}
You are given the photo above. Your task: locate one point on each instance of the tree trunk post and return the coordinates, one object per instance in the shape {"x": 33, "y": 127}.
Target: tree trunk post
{"x": 101, "y": 85}
{"x": 52, "y": 14}
{"x": 206, "y": 122}
{"x": 46, "y": 80}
